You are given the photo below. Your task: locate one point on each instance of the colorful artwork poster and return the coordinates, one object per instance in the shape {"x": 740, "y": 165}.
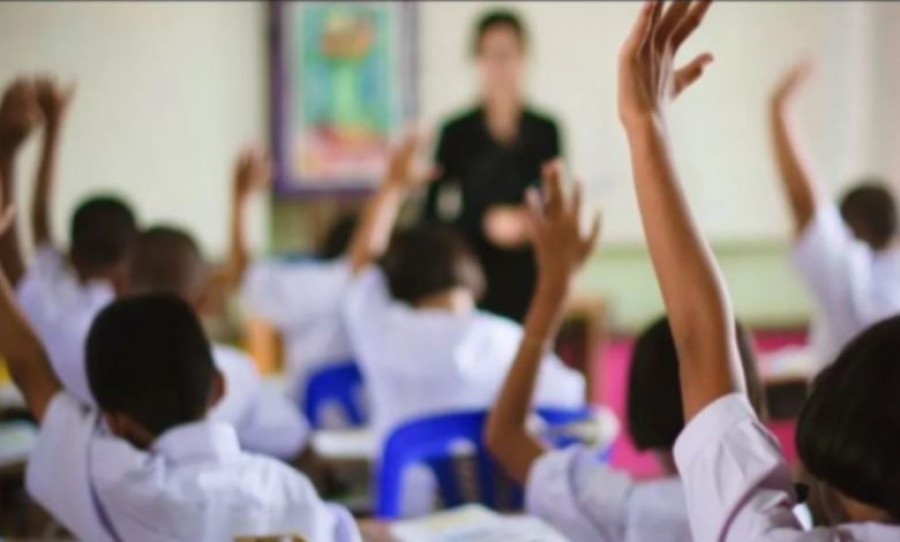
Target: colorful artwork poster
{"x": 347, "y": 93}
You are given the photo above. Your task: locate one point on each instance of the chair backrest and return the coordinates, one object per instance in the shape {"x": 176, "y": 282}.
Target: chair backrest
{"x": 339, "y": 384}
{"x": 431, "y": 440}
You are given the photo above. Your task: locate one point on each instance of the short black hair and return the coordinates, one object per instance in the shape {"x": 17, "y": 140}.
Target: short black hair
{"x": 427, "y": 259}
{"x": 103, "y": 229}
{"x": 498, "y": 18}
{"x": 166, "y": 260}
{"x": 655, "y": 412}
{"x": 848, "y": 434}
{"x": 336, "y": 241}
{"x": 148, "y": 357}
{"x": 870, "y": 210}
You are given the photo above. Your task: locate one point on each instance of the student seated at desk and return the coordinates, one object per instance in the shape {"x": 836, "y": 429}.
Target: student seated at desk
{"x": 737, "y": 483}
{"x": 301, "y": 299}
{"x": 423, "y": 346}
{"x": 849, "y": 257}
{"x": 61, "y": 293}
{"x": 168, "y": 260}
{"x": 148, "y": 465}
{"x": 582, "y": 498}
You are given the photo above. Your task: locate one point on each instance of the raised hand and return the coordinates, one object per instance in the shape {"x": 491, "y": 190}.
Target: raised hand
{"x": 648, "y": 79}
{"x": 792, "y": 81}
{"x": 19, "y": 114}
{"x": 53, "y": 99}
{"x": 560, "y": 243}
{"x": 252, "y": 173}
{"x": 405, "y": 167}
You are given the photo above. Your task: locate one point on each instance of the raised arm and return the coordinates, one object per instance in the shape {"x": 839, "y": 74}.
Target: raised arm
{"x": 560, "y": 249}
{"x": 798, "y": 177}
{"x": 252, "y": 173}
{"x": 693, "y": 291}
{"x": 19, "y": 345}
{"x": 19, "y": 115}
{"x": 374, "y": 231}
{"x": 53, "y": 100}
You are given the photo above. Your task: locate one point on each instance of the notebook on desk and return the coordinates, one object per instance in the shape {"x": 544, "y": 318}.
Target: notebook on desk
{"x": 473, "y": 523}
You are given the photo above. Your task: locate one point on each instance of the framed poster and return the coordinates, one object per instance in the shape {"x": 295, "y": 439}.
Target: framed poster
{"x": 343, "y": 86}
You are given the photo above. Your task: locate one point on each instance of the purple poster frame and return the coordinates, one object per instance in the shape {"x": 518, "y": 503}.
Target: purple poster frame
{"x": 284, "y": 185}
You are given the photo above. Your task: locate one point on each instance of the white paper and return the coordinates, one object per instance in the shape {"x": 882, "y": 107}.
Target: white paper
{"x": 473, "y": 523}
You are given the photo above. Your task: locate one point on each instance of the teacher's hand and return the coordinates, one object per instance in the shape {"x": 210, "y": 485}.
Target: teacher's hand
{"x": 507, "y": 226}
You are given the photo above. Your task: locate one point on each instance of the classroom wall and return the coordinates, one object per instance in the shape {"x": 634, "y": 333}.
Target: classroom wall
{"x": 169, "y": 91}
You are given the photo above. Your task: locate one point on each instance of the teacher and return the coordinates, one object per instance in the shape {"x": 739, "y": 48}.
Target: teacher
{"x": 488, "y": 156}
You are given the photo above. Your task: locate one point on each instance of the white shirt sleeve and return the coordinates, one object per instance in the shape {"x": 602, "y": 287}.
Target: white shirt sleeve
{"x": 582, "y": 498}
{"x": 294, "y": 294}
{"x": 58, "y": 474}
{"x": 737, "y": 483}
{"x": 837, "y": 269}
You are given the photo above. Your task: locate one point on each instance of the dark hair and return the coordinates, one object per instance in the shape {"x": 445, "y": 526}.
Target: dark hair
{"x": 848, "y": 434}
{"x": 428, "y": 259}
{"x": 103, "y": 229}
{"x": 655, "y": 413}
{"x": 871, "y": 212}
{"x": 496, "y": 19}
{"x": 166, "y": 260}
{"x": 336, "y": 241}
{"x": 148, "y": 357}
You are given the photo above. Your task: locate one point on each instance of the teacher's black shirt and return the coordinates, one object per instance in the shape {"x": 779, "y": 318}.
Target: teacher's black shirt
{"x": 480, "y": 172}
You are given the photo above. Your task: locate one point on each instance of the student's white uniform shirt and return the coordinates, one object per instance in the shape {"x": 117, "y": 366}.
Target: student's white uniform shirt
{"x": 739, "y": 487}
{"x": 266, "y": 420}
{"x": 303, "y": 300}
{"x": 194, "y": 484}
{"x": 418, "y": 362}
{"x": 853, "y": 286}
{"x": 62, "y": 309}
{"x": 590, "y": 502}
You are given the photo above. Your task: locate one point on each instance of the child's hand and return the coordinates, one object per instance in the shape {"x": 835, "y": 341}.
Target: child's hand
{"x": 648, "y": 80}
{"x": 405, "y": 169}
{"x": 559, "y": 242}
{"x": 791, "y": 82}
{"x": 19, "y": 114}
{"x": 252, "y": 173}
{"x": 53, "y": 99}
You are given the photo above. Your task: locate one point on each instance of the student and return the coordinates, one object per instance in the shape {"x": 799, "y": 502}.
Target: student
{"x": 737, "y": 484}
{"x": 147, "y": 465}
{"x": 423, "y": 346}
{"x": 301, "y": 299}
{"x": 851, "y": 266}
{"x": 586, "y": 500}
{"x": 61, "y": 294}
{"x": 168, "y": 260}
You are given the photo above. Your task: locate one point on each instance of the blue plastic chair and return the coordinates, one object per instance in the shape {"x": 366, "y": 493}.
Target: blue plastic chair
{"x": 340, "y": 384}
{"x": 429, "y": 441}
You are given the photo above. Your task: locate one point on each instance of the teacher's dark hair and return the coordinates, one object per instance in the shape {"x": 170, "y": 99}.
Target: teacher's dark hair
{"x": 499, "y": 18}
{"x": 848, "y": 434}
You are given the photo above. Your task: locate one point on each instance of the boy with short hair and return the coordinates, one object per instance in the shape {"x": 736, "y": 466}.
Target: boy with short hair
{"x": 848, "y": 257}
{"x": 148, "y": 465}
{"x": 61, "y": 294}
{"x": 168, "y": 260}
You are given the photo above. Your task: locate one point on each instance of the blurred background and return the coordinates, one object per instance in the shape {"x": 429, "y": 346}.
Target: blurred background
{"x": 168, "y": 93}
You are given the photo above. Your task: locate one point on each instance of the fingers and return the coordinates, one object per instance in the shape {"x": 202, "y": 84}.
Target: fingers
{"x": 689, "y": 23}
{"x": 670, "y": 21}
{"x": 692, "y": 71}
{"x": 7, "y": 216}
{"x": 641, "y": 29}
{"x": 553, "y": 190}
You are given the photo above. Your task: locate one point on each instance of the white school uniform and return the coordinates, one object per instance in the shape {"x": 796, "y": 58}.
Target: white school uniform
{"x": 588, "y": 501}
{"x": 194, "y": 484}
{"x": 302, "y": 300}
{"x": 739, "y": 487}
{"x": 266, "y": 420}
{"x": 418, "y": 362}
{"x": 62, "y": 309}
{"x": 853, "y": 286}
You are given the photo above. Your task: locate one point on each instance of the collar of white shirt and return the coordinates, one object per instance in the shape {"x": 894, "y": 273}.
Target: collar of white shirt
{"x": 203, "y": 440}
